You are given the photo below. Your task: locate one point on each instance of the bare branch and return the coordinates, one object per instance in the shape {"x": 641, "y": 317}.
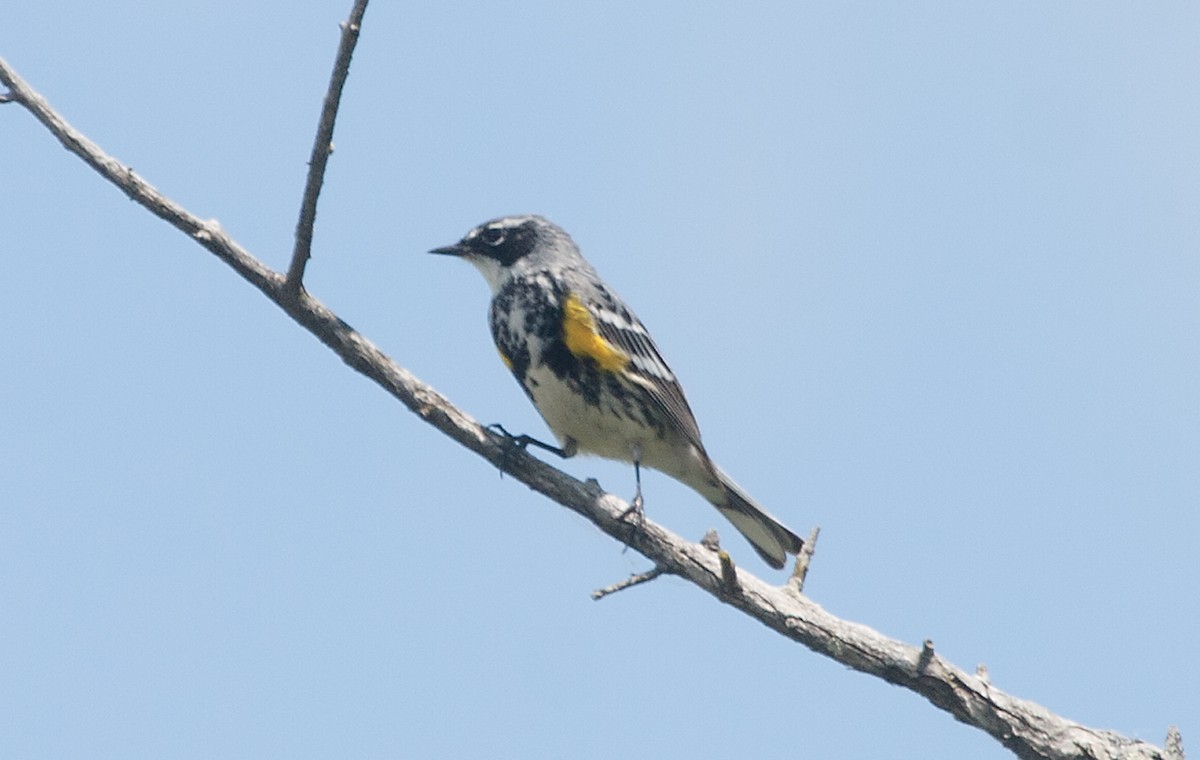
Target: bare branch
{"x": 1027, "y": 729}
{"x": 323, "y": 147}
{"x": 803, "y": 560}
{"x": 633, "y": 580}
{"x": 1174, "y": 748}
{"x": 729, "y": 578}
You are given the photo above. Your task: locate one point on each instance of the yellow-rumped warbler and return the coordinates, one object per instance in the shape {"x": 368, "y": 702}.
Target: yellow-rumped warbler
{"x": 593, "y": 372}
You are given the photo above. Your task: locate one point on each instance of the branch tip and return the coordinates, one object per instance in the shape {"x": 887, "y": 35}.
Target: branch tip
{"x": 1173, "y": 748}
{"x": 803, "y": 559}
{"x": 323, "y": 148}
{"x": 729, "y": 579}
{"x": 981, "y": 672}
{"x": 926, "y": 656}
{"x": 631, "y": 581}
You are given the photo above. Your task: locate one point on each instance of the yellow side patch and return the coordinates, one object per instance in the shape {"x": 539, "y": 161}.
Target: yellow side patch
{"x": 584, "y": 341}
{"x": 504, "y": 358}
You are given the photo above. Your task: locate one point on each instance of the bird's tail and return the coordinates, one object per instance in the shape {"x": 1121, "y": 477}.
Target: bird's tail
{"x": 770, "y": 538}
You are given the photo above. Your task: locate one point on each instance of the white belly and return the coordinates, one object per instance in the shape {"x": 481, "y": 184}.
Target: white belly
{"x": 597, "y": 431}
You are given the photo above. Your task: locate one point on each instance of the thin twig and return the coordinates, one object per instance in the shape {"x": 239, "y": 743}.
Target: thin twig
{"x": 804, "y": 559}
{"x": 729, "y": 576}
{"x": 1174, "y": 747}
{"x": 633, "y": 580}
{"x": 927, "y": 655}
{"x": 323, "y": 147}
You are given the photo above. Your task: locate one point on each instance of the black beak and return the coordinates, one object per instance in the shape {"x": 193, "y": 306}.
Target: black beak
{"x": 450, "y": 250}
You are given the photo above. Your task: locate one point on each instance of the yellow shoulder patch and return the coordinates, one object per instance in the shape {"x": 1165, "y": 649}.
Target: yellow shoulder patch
{"x": 584, "y": 341}
{"x": 504, "y": 358}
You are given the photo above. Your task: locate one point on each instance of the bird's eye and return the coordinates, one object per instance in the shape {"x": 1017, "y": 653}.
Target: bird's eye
{"x": 492, "y": 235}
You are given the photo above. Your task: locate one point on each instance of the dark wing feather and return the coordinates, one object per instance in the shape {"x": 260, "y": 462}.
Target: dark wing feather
{"x": 625, "y": 331}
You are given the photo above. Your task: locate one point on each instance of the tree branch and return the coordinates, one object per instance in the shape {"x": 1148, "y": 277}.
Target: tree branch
{"x": 633, "y": 580}
{"x": 323, "y": 147}
{"x": 1026, "y": 728}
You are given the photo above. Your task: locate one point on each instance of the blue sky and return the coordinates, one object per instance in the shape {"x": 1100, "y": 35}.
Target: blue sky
{"x": 928, "y": 273}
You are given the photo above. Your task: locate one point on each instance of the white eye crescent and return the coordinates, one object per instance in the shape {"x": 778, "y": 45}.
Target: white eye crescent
{"x": 492, "y": 235}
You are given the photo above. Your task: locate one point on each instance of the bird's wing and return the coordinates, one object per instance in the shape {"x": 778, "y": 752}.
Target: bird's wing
{"x": 621, "y": 327}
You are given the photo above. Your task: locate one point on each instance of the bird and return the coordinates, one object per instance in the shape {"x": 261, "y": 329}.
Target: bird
{"x": 593, "y": 372}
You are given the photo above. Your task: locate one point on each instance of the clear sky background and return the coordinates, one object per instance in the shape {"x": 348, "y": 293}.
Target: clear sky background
{"x": 929, "y": 273}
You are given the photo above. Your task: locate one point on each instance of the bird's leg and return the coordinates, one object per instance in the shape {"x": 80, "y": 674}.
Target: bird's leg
{"x": 522, "y": 442}
{"x": 635, "y": 506}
